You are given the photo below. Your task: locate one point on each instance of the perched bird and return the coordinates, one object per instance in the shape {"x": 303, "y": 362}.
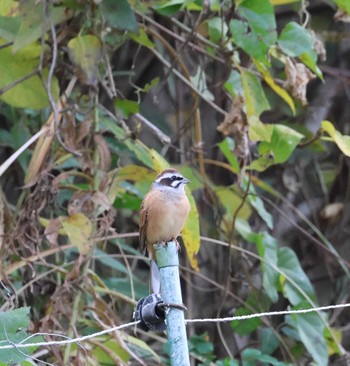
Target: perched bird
{"x": 163, "y": 214}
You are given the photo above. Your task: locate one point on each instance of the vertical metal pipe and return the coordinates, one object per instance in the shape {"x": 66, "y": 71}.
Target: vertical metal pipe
{"x": 170, "y": 289}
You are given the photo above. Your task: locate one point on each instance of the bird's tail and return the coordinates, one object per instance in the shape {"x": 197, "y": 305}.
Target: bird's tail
{"x": 154, "y": 277}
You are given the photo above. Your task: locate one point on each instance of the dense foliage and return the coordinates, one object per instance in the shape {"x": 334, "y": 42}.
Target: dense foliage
{"x": 249, "y": 99}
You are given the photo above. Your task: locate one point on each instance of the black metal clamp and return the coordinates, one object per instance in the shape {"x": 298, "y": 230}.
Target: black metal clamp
{"x": 150, "y": 314}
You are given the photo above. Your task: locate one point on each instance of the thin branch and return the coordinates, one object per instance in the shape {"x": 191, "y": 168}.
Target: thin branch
{"x": 187, "y": 82}
{"x": 4, "y": 45}
{"x": 7, "y": 163}
{"x": 119, "y": 121}
{"x": 165, "y": 139}
{"x": 183, "y": 40}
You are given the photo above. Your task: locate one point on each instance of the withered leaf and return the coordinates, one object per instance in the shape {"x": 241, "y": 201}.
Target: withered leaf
{"x": 298, "y": 77}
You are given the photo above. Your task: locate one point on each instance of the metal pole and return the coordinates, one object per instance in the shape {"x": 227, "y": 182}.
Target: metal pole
{"x": 170, "y": 289}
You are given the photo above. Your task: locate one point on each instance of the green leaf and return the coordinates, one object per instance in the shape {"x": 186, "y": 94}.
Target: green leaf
{"x": 343, "y": 5}
{"x": 13, "y": 330}
{"x": 226, "y": 146}
{"x": 234, "y": 84}
{"x": 259, "y": 206}
{"x": 310, "y": 60}
{"x": 118, "y": 14}
{"x": 253, "y": 356}
{"x": 126, "y": 107}
{"x": 153, "y": 83}
{"x": 170, "y": 7}
{"x": 283, "y": 2}
{"x": 200, "y": 83}
{"x": 254, "y": 95}
{"x": 86, "y": 52}
{"x": 103, "y": 356}
{"x": 34, "y": 22}
{"x": 126, "y": 198}
{"x": 29, "y": 93}
{"x": 106, "y": 260}
{"x": 269, "y": 341}
{"x": 284, "y": 140}
{"x": 142, "y": 39}
{"x": 217, "y": 29}
{"x": 245, "y": 327}
{"x": 261, "y": 19}
{"x": 201, "y": 346}
{"x": 295, "y": 40}
{"x": 289, "y": 264}
{"x": 9, "y": 27}
{"x": 248, "y": 41}
{"x": 138, "y": 150}
{"x": 261, "y": 164}
{"x": 310, "y": 329}
{"x": 267, "y": 249}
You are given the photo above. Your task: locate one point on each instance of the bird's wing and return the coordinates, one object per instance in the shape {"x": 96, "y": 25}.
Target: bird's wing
{"x": 143, "y": 226}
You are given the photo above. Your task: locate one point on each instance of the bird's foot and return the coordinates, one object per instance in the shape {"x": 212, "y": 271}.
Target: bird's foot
{"x": 178, "y": 247}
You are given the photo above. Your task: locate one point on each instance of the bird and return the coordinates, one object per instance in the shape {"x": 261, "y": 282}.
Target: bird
{"x": 163, "y": 213}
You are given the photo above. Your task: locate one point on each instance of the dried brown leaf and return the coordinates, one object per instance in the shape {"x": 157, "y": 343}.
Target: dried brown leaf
{"x": 103, "y": 153}
{"x": 83, "y": 130}
{"x": 298, "y": 77}
{"x": 101, "y": 200}
{"x": 332, "y": 211}
{"x": 81, "y": 202}
{"x": 234, "y": 121}
{"x": 52, "y": 229}
{"x": 236, "y": 126}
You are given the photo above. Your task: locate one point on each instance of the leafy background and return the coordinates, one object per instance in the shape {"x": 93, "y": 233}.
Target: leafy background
{"x": 249, "y": 100}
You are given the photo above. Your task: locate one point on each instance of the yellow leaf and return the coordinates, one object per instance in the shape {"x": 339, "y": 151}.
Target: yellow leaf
{"x": 29, "y": 93}
{"x": 159, "y": 163}
{"x": 328, "y": 127}
{"x": 8, "y": 8}
{"x": 333, "y": 348}
{"x": 190, "y": 233}
{"x": 231, "y": 202}
{"x": 276, "y": 88}
{"x": 86, "y": 52}
{"x": 254, "y": 95}
{"x": 342, "y": 141}
{"x": 259, "y": 131}
{"x": 133, "y": 173}
{"x": 79, "y": 229}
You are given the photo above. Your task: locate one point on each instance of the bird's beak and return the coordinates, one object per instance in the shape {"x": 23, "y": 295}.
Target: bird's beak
{"x": 185, "y": 181}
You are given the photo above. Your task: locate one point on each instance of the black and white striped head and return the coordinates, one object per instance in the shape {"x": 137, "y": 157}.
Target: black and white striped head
{"x": 170, "y": 180}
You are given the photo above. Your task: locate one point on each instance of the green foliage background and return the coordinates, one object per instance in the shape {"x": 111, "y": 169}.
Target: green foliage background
{"x": 249, "y": 100}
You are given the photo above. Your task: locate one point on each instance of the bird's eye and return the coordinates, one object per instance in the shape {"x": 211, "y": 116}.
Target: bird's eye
{"x": 173, "y": 177}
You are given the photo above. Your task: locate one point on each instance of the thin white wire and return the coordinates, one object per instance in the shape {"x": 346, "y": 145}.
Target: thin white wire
{"x": 205, "y": 320}
{"x": 272, "y": 313}
{"x": 68, "y": 341}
